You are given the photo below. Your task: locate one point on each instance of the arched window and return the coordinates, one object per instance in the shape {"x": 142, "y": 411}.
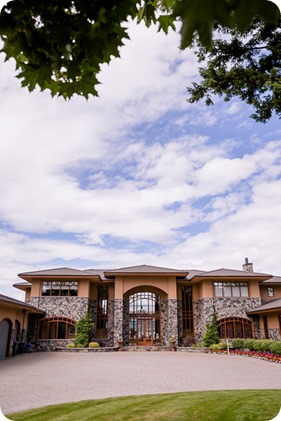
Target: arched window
{"x": 235, "y": 327}
{"x": 57, "y": 328}
{"x": 144, "y": 303}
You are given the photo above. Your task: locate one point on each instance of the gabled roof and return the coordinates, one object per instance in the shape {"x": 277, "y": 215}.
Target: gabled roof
{"x": 273, "y": 305}
{"x": 146, "y": 269}
{"x": 17, "y": 303}
{"x": 231, "y": 273}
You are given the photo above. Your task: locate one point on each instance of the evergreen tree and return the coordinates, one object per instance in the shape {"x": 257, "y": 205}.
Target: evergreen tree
{"x": 211, "y": 335}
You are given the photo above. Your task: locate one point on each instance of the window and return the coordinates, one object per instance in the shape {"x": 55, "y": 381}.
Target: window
{"x": 144, "y": 303}
{"x": 231, "y": 289}
{"x": 59, "y": 289}
{"x": 235, "y": 327}
{"x": 270, "y": 292}
{"x": 101, "y": 331}
{"x": 57, "y": 328}
{"x": 187, "y": 310}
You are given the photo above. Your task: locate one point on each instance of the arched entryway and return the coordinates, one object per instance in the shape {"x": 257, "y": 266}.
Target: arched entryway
{"x": 5, "y": 338}
{"x": 144, "y": 318}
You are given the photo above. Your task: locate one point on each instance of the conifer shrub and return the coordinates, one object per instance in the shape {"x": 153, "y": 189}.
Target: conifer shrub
{"x": 211, "y": 336}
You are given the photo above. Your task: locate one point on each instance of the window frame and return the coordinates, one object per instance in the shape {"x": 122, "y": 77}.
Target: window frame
{"x": 54, "y": 324}
{"x": 245, "y": 325}
{"x": 58, "y": 288}
{"x": 229, "y": 286}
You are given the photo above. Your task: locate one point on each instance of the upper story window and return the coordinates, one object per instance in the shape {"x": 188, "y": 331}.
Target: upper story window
{"x": 231, "y": 289}
{"x": 60, "y": 289}
{"x": 270, "y": 292}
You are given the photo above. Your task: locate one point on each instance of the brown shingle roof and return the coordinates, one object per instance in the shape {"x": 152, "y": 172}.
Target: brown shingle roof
{"x": 273, "y": 280}
{"x": 146, "y": 269}
{"x": 55, "y": 272}
{"x": 232, "y": 273}
{"x": 18, "y": 303}
{"x": 271, "y": 306}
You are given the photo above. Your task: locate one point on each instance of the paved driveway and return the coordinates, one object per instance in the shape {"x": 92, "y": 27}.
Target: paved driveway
{"x": 39, "y": 379}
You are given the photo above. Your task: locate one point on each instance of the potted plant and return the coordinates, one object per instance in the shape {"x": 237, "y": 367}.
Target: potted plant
{"x": 173, "y": 342}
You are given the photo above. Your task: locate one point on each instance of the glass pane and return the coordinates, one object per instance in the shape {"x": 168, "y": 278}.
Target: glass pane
{"x": 235, "y": 291}
{"x": 244, "y": 291}
{"x": 227, "y": 291}
{"x": 218, "y": 289}
{"x": 52, "y": 330}
{"x": 61, "y": 330}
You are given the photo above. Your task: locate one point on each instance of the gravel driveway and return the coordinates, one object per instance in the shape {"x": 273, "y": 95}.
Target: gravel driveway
{"x": 34, "y": 380}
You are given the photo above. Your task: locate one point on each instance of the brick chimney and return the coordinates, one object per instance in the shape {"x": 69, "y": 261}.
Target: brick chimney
{"x": 248, "y": 267}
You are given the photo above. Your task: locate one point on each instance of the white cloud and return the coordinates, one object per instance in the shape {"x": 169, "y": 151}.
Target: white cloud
{"x": 137, "y": 175}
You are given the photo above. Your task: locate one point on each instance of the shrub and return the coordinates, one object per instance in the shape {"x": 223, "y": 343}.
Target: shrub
{"x": 83, "y": 331}
{"x": 222, "y": 345}
{"x": 189, "y": 341}
{"x": 257, "y": 345}
{"x": 238, "y": 343}
{"x": 78, "y": 345}
{"x": 212, "y": 335}
{"x": 94, "y": 345}
{"x": 70, "y": 346}
{"x": 275, "y": 347}
{"x": 265, "y": 345}
{"x": 249, "y": 344}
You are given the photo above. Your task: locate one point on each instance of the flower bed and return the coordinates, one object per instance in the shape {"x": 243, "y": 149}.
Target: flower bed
{"x": 268, "y": 356}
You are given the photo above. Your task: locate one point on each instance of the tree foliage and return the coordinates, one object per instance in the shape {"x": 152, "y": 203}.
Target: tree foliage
{"x": 247, "y": 66}
{"x": 60, "y": 45}
{"x": 83, "y": 330}
{"x": 211, "y": 335}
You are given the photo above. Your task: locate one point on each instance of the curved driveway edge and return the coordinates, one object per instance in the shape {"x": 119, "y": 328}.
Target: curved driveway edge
{"x": 39, "y": 379}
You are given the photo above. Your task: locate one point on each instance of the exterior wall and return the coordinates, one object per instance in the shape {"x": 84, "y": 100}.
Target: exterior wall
{"x": 273, "y": 326}
{"x": 264, "y": 294}
{"x": 167, "y": 284}
{"x": 13, "y": 314}
{"x": 224, "y": 307}
{"x": 71, "y": 307}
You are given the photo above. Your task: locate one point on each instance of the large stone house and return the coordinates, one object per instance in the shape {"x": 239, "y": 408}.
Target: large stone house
{"x": 145, "y": 305}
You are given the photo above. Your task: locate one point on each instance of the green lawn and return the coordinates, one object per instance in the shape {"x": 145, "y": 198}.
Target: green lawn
{"x": 232, "y": 405}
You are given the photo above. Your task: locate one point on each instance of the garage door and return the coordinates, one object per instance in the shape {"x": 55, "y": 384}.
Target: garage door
{"x": 4, "y": 338}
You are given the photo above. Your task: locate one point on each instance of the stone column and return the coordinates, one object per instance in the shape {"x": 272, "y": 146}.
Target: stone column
{"x": 118, "y": 320}
{"x": 169, "y": 321}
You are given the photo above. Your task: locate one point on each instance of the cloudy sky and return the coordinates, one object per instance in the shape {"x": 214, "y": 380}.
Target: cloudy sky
{"x": 138, "y": 175}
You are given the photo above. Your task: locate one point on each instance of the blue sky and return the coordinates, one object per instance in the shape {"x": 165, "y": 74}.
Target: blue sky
{"x": 138, "y": 175}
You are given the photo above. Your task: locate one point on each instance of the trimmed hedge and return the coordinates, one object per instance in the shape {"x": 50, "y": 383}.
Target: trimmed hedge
{"x": 263, "y": 345}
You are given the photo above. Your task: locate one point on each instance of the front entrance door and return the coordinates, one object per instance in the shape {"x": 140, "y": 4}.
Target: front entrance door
{"x": 5, "y": 333}
{"x": 144, "y": 319}
{"x": 144, "y": 331}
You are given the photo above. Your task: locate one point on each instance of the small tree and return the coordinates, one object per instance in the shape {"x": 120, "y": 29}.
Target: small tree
{"x": 211, "y": 335}
{"x": 83, "y": 330}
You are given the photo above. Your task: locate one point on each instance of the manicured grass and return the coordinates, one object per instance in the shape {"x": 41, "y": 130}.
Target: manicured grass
{"x": 232, "y": 405}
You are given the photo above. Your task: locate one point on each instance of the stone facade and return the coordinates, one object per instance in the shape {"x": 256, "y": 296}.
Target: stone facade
{"x": 169, "y": 320}
{"x": 71, "y": 307}
{"x": 224, "y": 307}
{"x": 117, "y": 305}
